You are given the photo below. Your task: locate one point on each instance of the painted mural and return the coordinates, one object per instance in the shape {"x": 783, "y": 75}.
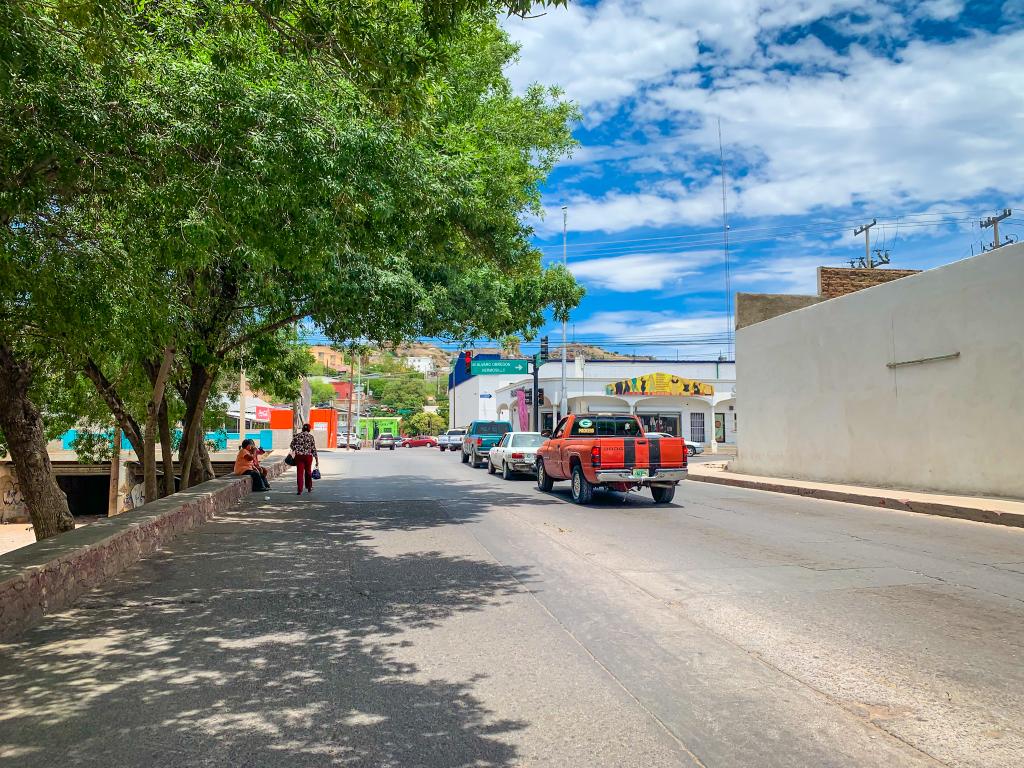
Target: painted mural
{"x": 12, "y": 503}
{"x": 660, "y": 385}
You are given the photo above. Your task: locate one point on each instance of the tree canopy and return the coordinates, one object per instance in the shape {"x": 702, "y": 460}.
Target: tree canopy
{"x": 182, "y": 182}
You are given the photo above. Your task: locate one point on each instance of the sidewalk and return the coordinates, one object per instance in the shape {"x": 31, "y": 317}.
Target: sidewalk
{"x": 978, "y": 508}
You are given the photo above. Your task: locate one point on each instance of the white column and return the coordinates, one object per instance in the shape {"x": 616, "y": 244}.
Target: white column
{"x": 711, "y": 426}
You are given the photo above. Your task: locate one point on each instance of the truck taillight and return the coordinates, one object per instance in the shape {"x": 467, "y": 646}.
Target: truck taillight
{"x": 595, "y": 456}
{"x": 479, "y": 441}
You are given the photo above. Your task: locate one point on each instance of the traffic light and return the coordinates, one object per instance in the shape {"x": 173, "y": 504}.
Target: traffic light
{"x": 468, "y": 359}
{"x": 529, "y": 397}
{"x": 544, "y": 348}
{"x": 540, "y": 396}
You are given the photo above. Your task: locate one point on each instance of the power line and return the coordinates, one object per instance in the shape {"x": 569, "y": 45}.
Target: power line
{"x": 837, "y": 225}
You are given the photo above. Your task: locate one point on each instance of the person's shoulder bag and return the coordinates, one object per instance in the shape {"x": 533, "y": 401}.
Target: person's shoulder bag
{"x": 290, "y": 459}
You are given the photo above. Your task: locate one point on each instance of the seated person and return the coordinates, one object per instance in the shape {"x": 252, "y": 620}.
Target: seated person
{"x": 248, "y": 463}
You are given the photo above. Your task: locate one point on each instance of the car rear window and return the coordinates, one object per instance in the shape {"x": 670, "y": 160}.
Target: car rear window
{"x": 456, "y": 432}
{"x": 491, "y": 428}
{"x": 605, "y": 426}
{"x": 528, "y": 441}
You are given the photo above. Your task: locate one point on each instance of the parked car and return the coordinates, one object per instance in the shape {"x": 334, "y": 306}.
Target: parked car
{"x": 419, "y": 441}
{"x": 451, "y": 440}
{"x": 610, "y": 451}
{"x": 480, "y": 438}
{"x": 515, "y": 452}
{"x": 692, "y": 449}
{"x": 350, "y": 439}
{"x": 385, "y": 440}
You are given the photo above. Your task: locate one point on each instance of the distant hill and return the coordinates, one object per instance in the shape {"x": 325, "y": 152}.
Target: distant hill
{"x": 592, "y": 352}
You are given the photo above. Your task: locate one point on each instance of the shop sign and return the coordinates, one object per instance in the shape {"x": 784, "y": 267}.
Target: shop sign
{"x": 659, "y": 385}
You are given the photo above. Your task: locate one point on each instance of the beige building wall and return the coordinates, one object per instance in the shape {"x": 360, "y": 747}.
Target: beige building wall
{"x": 844, "y": 390}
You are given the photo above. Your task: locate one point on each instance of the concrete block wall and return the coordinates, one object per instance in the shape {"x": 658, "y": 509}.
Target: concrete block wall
{"x": 49, "y": 575}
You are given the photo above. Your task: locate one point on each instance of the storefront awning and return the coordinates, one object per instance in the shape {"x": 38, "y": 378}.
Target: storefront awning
{"x": 659, "y": 385}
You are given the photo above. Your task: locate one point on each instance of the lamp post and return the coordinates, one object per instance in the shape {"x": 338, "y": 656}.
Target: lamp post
{"x": 563, "y": 403}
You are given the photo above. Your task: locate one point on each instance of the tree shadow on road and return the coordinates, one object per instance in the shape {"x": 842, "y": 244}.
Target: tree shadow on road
{"x": 276, "y": 635}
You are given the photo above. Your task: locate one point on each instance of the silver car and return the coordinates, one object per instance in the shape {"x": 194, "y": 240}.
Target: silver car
{"x": 693, "y": 449}
{"x": 516, "y": 452}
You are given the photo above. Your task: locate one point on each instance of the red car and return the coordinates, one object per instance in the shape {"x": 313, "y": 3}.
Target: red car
{"x": 419, "y": 440}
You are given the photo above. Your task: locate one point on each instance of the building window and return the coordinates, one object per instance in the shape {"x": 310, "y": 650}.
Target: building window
{"x": 660, "y": 422}
{"x": 696, "y": 427}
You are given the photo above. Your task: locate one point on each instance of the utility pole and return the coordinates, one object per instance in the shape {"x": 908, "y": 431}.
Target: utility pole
{"x": 241, "y": 405}
{"x": 993, "y": 221}
{"x": 868, "y": 263}
{"x": 563, "y": 401}
{"x": 359, "y": 398}
{"x": 351, "y": 387}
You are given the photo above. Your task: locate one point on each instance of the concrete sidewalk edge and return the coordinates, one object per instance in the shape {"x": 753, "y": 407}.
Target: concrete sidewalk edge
{"x": 961, "y": 512}
{"x": 49, "y": 575}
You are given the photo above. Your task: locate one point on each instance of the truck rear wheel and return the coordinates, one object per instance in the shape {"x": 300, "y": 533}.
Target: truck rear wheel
{"x": 544, "y": 482}
{"x": 663, "y": 494}
{"x": 582, "y": 489}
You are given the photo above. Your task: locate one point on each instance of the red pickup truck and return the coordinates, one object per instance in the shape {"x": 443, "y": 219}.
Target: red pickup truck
{"x": 608, "y": 451}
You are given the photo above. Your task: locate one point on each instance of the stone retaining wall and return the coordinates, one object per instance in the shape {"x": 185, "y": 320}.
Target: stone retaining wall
{"x": 49, "y": 575}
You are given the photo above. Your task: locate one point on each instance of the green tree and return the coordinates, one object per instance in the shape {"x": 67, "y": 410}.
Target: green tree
{"x": 423, "y": 423}
{"x": 365, "y": 165}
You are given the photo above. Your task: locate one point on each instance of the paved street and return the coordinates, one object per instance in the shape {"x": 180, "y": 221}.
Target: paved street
{"x": 416, "y": 612}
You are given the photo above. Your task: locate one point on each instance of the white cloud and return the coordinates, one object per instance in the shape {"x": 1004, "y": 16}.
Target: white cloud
{"x": 639, "y": 324}
{"x": 642, "y": 271}
{"x": 942, "y": 122}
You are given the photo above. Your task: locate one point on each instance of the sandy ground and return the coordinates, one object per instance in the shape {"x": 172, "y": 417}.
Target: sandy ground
{"x": 16, "y": 535}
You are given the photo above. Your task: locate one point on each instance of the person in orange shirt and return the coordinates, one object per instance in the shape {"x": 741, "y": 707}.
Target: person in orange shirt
{"x": 247, "y": 462}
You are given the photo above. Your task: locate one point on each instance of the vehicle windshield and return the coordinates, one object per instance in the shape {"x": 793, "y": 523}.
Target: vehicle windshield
{"x": 492, "y": 428}
{"x": 528, "y": 441}
{"x": 456, "y": 432}
{"x": 605, "y": 426}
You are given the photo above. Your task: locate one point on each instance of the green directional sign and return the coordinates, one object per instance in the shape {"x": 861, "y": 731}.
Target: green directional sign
{"x": 478, "y": 367}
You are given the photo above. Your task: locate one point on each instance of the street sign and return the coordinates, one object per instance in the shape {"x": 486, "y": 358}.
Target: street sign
{"x": 499, "y": 366}
{"x": 405, "y": 411}
{"x": 538, "y": 361}
{"x": 486, "y": 396}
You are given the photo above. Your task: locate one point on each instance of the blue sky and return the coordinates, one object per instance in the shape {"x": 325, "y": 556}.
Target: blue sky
{"x": 833, "y": 112}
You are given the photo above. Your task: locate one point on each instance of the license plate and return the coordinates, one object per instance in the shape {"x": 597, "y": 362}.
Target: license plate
{"x": 641, "y": 473}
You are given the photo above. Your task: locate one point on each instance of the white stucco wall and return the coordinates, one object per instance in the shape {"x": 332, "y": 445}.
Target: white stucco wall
{"x": 819, "y": 401}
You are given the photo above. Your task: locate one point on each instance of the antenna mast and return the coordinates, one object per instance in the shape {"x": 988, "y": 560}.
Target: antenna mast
{"x": 725, "y": 245}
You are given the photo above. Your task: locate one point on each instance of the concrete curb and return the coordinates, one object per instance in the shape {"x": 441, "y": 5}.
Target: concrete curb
{"x": 49, "y": 575}
{"x": 977, "y": 514}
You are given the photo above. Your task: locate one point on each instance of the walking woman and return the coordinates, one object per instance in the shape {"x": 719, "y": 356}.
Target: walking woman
{"x": 304, "y": 449}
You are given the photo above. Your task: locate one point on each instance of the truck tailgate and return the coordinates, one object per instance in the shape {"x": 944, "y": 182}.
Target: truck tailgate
{"x": 650, "y": 452}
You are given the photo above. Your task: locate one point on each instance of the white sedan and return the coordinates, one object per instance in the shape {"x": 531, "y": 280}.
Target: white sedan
{"x": 516, "y": 452}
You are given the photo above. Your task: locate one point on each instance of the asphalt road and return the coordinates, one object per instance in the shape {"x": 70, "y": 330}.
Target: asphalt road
{"x": 414, "y": 611}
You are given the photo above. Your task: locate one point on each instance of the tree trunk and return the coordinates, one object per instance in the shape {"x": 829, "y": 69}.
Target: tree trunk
{"x": 108, "y": 392}
{"x": 152, "y": 417}
{"x": 22, "y": 425}
{"x": 205, "y": 464}
{"x": 195, "y": 405}
{"x": 166, "y": 449}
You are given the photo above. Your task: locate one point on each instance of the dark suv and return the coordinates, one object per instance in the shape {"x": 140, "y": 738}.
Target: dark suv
{"x": 387, "y": 440}
{"x": 480, "y": 438}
